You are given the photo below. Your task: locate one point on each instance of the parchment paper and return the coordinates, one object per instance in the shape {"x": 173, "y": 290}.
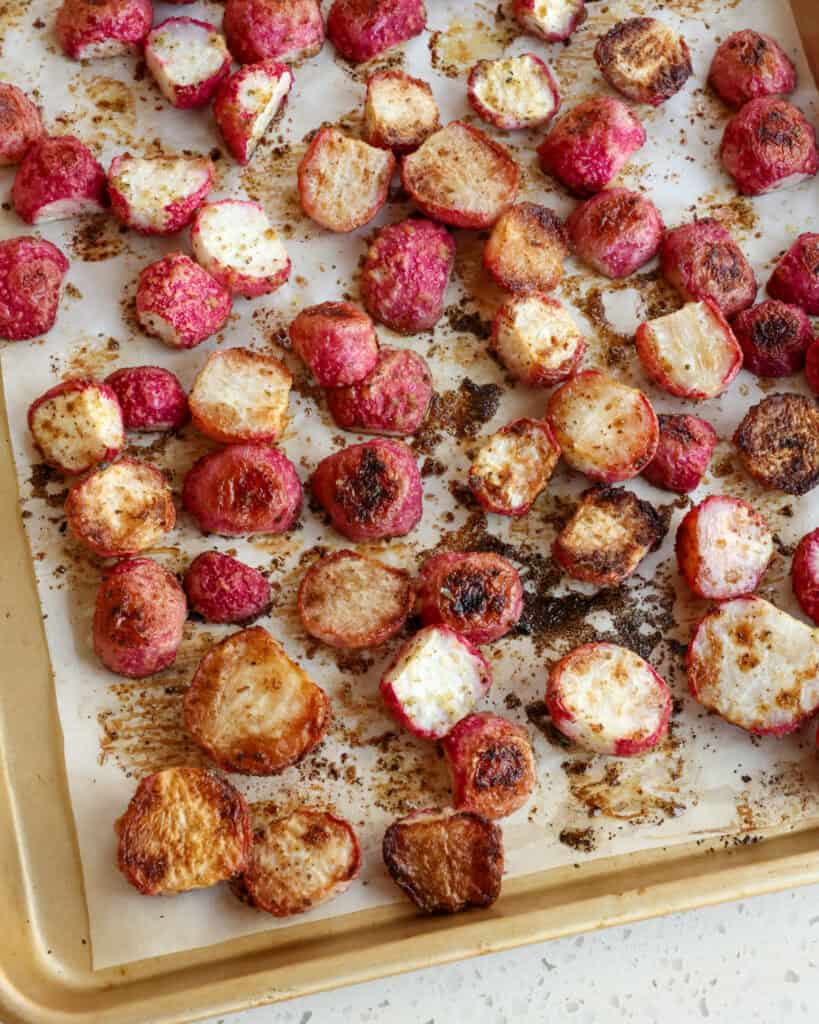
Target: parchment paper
{"x": 707, "y": 778}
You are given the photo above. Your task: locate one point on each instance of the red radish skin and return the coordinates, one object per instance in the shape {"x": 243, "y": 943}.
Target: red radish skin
{"x": 684, "y": 450}
{"x": 748, "y": 65}
{"x": 151, "y": 398}
{"x": 223, "y": 589}
{"x": 286, "y": 30}
{"x": 405, "y": 275}
{"x": 360, "y": 30}
{"x": 87, "y": 29}
{"x": 337, "y": 341}
{"x": 616, "y": 232}
{"x": 436, "y": 679}
{"x": 370, "y": 491}
{"x": 31, "y": 278}
{"x": 774, "y": 338}
{"x": 179, "y": 302}
{"x": 77, "y": 424}
{"x": 478, "y": 594}
{"x": 138, "y": 618}
{"x": 805, "y": 575}
{"x": 590, "y": 144}
{"x": 768, "y": 145}
{"x": 796, "y": 277}
{"x": 393, "y": 399}
{"x": 609, "y": 717}
{"x": 243, "y": 489}
{"x": 248, "y": 102}
{"x": 58, "y": 178}
{"x": 492, "y": 765}
{"x": 20, "y": 124}
{"x": 702, "y": 261}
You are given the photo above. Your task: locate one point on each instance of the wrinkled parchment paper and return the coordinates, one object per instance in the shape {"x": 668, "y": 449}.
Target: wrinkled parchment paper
{"x": 707, "y": 778}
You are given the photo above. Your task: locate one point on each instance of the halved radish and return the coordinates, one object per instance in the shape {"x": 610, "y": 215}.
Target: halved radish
{"x": 550, "y": 20}
{"x": 703, "y": 262}
{"x": 526, "y": 249}
{"x": 298, "y": 861}
{"x": 685, "y": 449}
{"x": 778, "y": 442}
{"x": 513, "y": 466}
{"x": 158, "y": 195}
{"x": 393, "y": 399}
{"x": 691, "y": 353}
{"x": 608, "y": 699}
{"x": 93, "y": 29}
{"x": 188, "y": 58}
{"x": 399, "y": 111}
{"x": 461, "y": 177}
{"x": 361, "y": 29}
{"x": 236, "y": 243}
{"x": 58, "y": 178}
{"x": 491, "y": 763}
{"x": 796, "y": 276}
{"x": 151, "y": 398}
{"x": 774, "y": 338}
{"x": 537, "y": 340}
{"x": 179, "y": 302}
{"x": 616, "y": 231}
{"x": 337, "y": 341}
{"x": 22, "y": 124}
{"x": 240, "y": 395}
{"x": 247, "y": 103}
{"x": 805, "y": 574}
{"x": 513, "y": 92}
{"x": 644, "y": 59}
{"x": 31, "y": 277}
{"x": 756, "y": 666}
{"x": 605, "y": 429}
{"x": 437, "y": 677}
{"x": 77, "y": 424}
{"x": 287, "y": 30}
{"x": 252, "y": 709}
{"x": 223, "y": 589}
{"x": 723, "y": 548}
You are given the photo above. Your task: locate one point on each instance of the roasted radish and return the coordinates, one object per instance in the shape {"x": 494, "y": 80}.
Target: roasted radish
{"x": 513, "y": 466}
{"x": 89, "y": 29}
{"x": 605, "y": 429}
{"x": 188, "y": 58}
{"x": 337, "y": 341}
{"x": 756, "y": 666}
{"x": 370, "y": 491}
{"x": 774, "y": 338}
{"x": 223, "y": 589}
{"x": 748, "y": 65}
{"x": 31, "y": 278}
{"x": 179, "y": 302}
{"x": 805, "y": 574}
{"x": 461, "y": 177}
{"x": 616, "y": 232}
{"x": 550, "y": 20}
{"x": 393, "y": 399}
{"x": 436, "y": 679}
{"x": 691, "y": 353}
{"x": 287, "y": 30}
{"x": 185, "y": 828}
{"x": 644, "y": 59}
{"x": 590, "y": 145}
{"x": 778, "y": 442}
{"x": 723, "y": 548}
{"x": 796, "y": 277}
{"x": 20, "y": 124}
{"x": 77, "y": 424}
{"x": 120, "y": 510}
{"x": 492, "y": 765}
{"x": 349, "y": 601}
{"x": 361, "y": 29}
{"x": 251, "y": 709}
{"x": 138, "y": 618}
{"x": 683, "y": 453}
{"x": 702, "y": 261}
{"x": 248, "y": 102}
{"x": 609, "y": 700}
{"x": 399, "y": 111}
{"x": 536, "y": 339}
{"x": 768, "y": 145}
{"x": 243, "y": 489}
{"x": 57, "y": 179}
{"x": 158, "y": 195}
{"x": 609, "y": 534}
{"x": 151, "y": 398}
{"x": 240, "y": 395}
{"x": 236, "y": 243}
{"x": 298, "y": 861}
{"x": 405, "y": 274}
{"x": 513, "y": 92}
{"x": 526, "y": 249}
{"x": 476, "y": 593}
{"x": 343, "y": 181}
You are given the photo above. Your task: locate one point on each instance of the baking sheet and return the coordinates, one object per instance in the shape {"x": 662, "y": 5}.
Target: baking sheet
{"x": 707, "y": 778}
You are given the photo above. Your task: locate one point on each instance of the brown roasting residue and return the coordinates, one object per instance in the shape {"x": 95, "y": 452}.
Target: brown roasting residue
{"x": 97, "y": 238}
{"x": 459, "y": 413}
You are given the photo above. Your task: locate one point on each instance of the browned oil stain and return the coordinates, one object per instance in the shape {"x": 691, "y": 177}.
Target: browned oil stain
{"x": 90, "y": 358}
{"x": 104, "y": 112}
{"x": 96, "y": 239}
{"x": 270, "y": 179}
{"x": 465, "y": 41}
{"x": 458, "y": 413}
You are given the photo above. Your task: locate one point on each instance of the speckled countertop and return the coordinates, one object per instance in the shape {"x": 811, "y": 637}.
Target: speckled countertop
{"x": 750, "y": 961}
